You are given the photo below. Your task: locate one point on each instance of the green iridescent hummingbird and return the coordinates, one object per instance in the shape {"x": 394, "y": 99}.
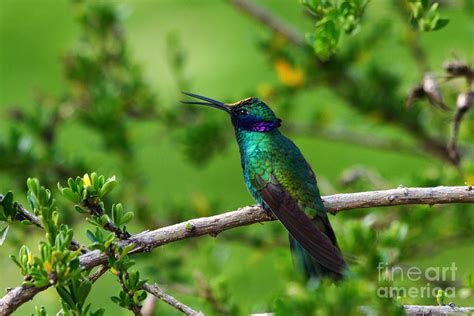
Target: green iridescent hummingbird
{"x": 280, "y": 179}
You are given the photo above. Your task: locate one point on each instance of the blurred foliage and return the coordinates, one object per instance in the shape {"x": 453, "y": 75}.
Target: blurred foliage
{"x": 425, "y": 15}
{"x": 332, "y": 19}
{"x": 107, "y": 101}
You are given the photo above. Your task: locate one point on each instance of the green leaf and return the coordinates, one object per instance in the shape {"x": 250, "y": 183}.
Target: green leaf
{"x": 80, "y": 209}
{"x": 133, "y": 279}
{"x": 15, "y": 260}
{"x": 104, "y": 219}
{"x": 326, "y": 38}
{"x": 83, "y": 291}
{"x": 117, "y": 212}
{"x": 440, "y": 23}
{"x": 74, "y": 264}
{"x": 66, "y": 296}
{"x": 99, "y": 312}
{"x": 128, "y": 248}
{"x": 70, "y": 195}
{"x": 32, "y": 201}
{"x": 95, "y": 181}
{"x": 72, "y": 184}
{"x": 3, "y": 234}
{"x": 41, "y": 311}
{"x": 7, "y": 204}
{"x": 126, "y": 218}
{"x": 94, "y": 221}
{"x": 109, "y": 185}
{"x": 142, "y": 296}
{"x": 33, "y": 185}
{"x": 90, "y": 235}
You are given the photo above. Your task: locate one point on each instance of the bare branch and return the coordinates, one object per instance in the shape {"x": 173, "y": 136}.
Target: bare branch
{"x": 401, "y": 196}
{"x": 23, "y": 214}
{"x": 264, "y": 16}
{"x": 17, "y": 297}
{"x": 213, "y": 225}
{"x": 102, "y": 269}
{"x": 168, "y": 299}
{"x": 441, "y": 310}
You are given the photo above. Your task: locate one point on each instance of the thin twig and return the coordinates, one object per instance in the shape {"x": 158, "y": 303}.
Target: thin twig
{"x": 170, "y": 300}
{"x": 23, "y": 214}
{"x": 463, "y": 104}
{"x": 96, "y": 210}
{"x": 97, "y": 274}
{"x": 213, "y": 225}
{"x": 264, "y": 16}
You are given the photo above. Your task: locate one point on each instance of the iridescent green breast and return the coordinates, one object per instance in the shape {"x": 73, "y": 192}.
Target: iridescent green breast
{"x": 271, "y": 153}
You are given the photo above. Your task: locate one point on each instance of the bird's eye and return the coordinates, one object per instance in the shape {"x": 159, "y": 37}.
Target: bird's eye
{"x": 242, "y": 112}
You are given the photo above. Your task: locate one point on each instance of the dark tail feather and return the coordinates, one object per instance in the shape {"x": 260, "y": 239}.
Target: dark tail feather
{"x": 304, "y": 263}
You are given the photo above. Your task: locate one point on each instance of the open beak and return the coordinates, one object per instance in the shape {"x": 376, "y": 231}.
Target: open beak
{"x": 209, "y": 102}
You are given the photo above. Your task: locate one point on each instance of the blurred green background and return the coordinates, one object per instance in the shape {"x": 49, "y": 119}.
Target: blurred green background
{"x": 226, "y": 60}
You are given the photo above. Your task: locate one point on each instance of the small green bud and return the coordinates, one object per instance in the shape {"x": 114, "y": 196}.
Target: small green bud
{"x": 440, "y": 297}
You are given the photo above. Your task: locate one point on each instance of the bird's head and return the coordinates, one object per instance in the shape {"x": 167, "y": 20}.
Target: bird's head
{"x": 249, "y": 114}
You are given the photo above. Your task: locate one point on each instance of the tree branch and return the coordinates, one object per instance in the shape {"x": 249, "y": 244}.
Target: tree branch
{"x": 102, "y": 269}
{"x": 444, "y": 310}
{"x": 265, "y": 17}
{"x": 17, "y": 297}
{"x": 213, "y": 225}
{"x": 168, "y": 299}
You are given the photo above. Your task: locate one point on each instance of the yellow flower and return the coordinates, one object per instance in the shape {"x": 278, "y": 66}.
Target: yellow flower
{"x": 469, "y": 180}
{"x": 54, "y": 255}
{"x": 87, "y": 181}
{"x": 30, "y": 258}
{"x": 47, "y": 266}
{"x": 114, "y": 271}
{"x": 289, "y": 75}
{"x": 265, "y": 90}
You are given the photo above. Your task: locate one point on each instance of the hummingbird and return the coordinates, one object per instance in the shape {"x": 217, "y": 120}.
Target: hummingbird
{"x": 283, "y": 183}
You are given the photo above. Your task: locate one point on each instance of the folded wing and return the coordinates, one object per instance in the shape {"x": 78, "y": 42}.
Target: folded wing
{"x": 300, "y": 226}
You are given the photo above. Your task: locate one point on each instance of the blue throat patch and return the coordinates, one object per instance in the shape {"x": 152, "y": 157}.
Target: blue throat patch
{"x": 265, "y": 126}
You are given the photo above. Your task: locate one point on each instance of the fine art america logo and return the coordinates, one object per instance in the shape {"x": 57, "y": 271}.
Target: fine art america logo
{"x": 431, "y": 275}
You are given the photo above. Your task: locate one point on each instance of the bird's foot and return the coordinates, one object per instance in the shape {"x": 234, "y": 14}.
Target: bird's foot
{"x": 267, "y": 211}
